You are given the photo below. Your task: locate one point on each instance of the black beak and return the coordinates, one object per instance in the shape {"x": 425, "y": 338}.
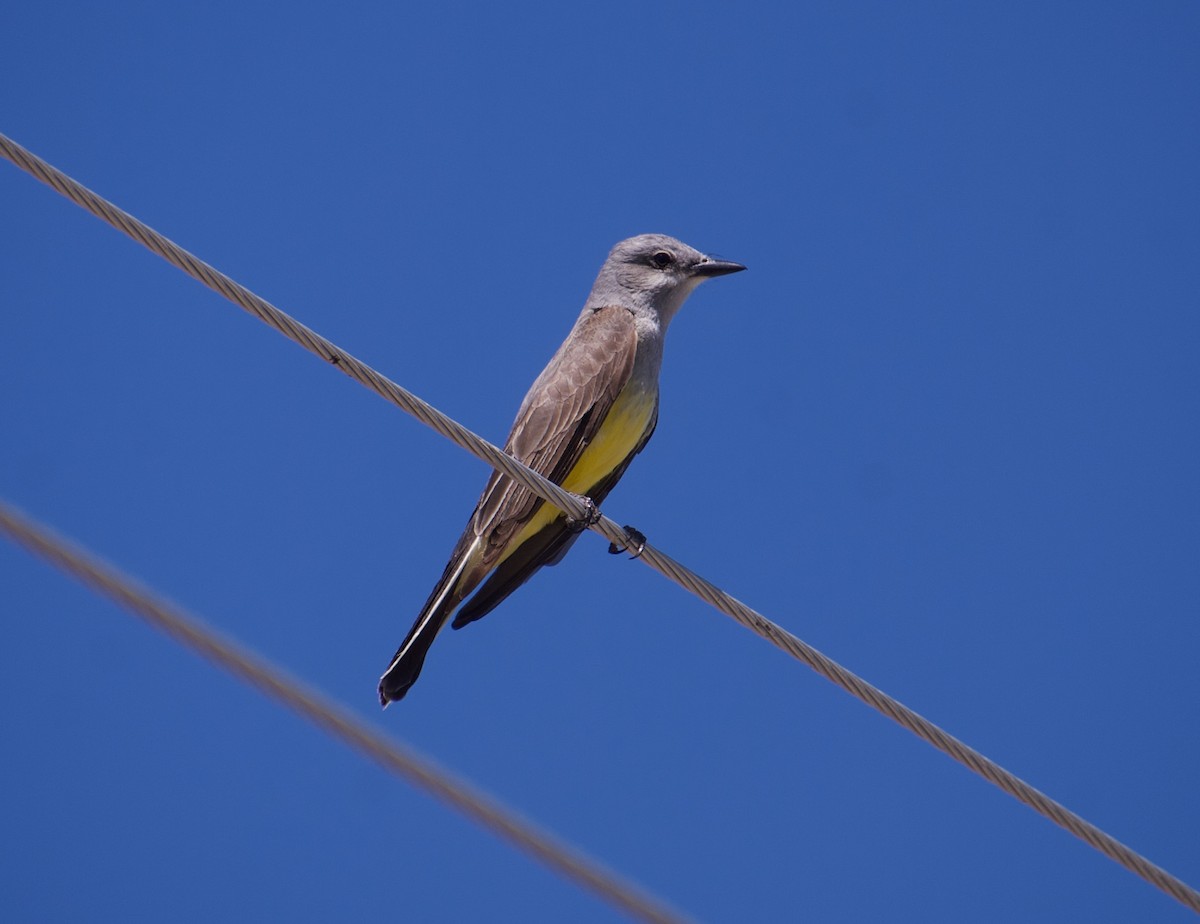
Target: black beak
{"x": 716, "y": 268}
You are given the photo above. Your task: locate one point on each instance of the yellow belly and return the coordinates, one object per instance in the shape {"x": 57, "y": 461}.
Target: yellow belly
{"x": 618, "y": 436}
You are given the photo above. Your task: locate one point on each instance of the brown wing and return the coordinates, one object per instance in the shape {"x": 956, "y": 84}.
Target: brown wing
{"x": 557, "y": 420}
{"x": 547, "y": 547}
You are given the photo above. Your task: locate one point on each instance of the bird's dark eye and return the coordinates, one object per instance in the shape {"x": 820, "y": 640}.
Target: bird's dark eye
{"x": 662, "y": 259}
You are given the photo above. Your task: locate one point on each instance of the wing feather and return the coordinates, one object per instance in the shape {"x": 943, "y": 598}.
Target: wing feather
{"x": 558, "y": 419}
{"x": 547, "y": 547}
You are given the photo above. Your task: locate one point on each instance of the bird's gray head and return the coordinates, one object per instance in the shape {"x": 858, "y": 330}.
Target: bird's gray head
{"x": 653, "y": 273}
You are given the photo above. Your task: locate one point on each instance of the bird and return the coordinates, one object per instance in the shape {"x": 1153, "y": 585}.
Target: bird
{"x": 591, "y": 410}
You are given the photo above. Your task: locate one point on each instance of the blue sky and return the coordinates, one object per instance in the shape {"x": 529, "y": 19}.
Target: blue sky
{"x": 945, "y": 429}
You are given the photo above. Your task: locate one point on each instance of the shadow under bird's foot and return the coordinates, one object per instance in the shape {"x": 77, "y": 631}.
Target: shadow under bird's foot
{"x": 638, "y": 544}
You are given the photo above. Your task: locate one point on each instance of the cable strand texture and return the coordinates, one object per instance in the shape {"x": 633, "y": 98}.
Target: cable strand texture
{"x": 575, "y": 508}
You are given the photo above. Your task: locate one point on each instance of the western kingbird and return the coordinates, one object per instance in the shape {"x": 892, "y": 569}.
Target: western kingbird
{"x": 586, "y": 416}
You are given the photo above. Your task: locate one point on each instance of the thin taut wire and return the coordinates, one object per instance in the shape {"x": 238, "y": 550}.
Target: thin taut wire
{"x": 334, "y": 719}
{"x": 578, "y": 509}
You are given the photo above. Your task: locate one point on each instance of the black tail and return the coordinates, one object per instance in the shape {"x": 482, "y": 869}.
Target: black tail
{"x": 406, "y": 664}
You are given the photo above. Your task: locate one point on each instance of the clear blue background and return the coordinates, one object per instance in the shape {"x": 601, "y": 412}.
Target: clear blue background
{"x": 946, "y": 429}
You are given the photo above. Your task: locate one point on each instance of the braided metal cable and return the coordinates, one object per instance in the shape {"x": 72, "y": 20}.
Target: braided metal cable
{"x": 579, "y": 509}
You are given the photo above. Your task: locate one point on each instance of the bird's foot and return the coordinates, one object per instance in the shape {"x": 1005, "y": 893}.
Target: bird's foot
{"x": 637, "y": 543}
{"x": 591, "y": 518}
